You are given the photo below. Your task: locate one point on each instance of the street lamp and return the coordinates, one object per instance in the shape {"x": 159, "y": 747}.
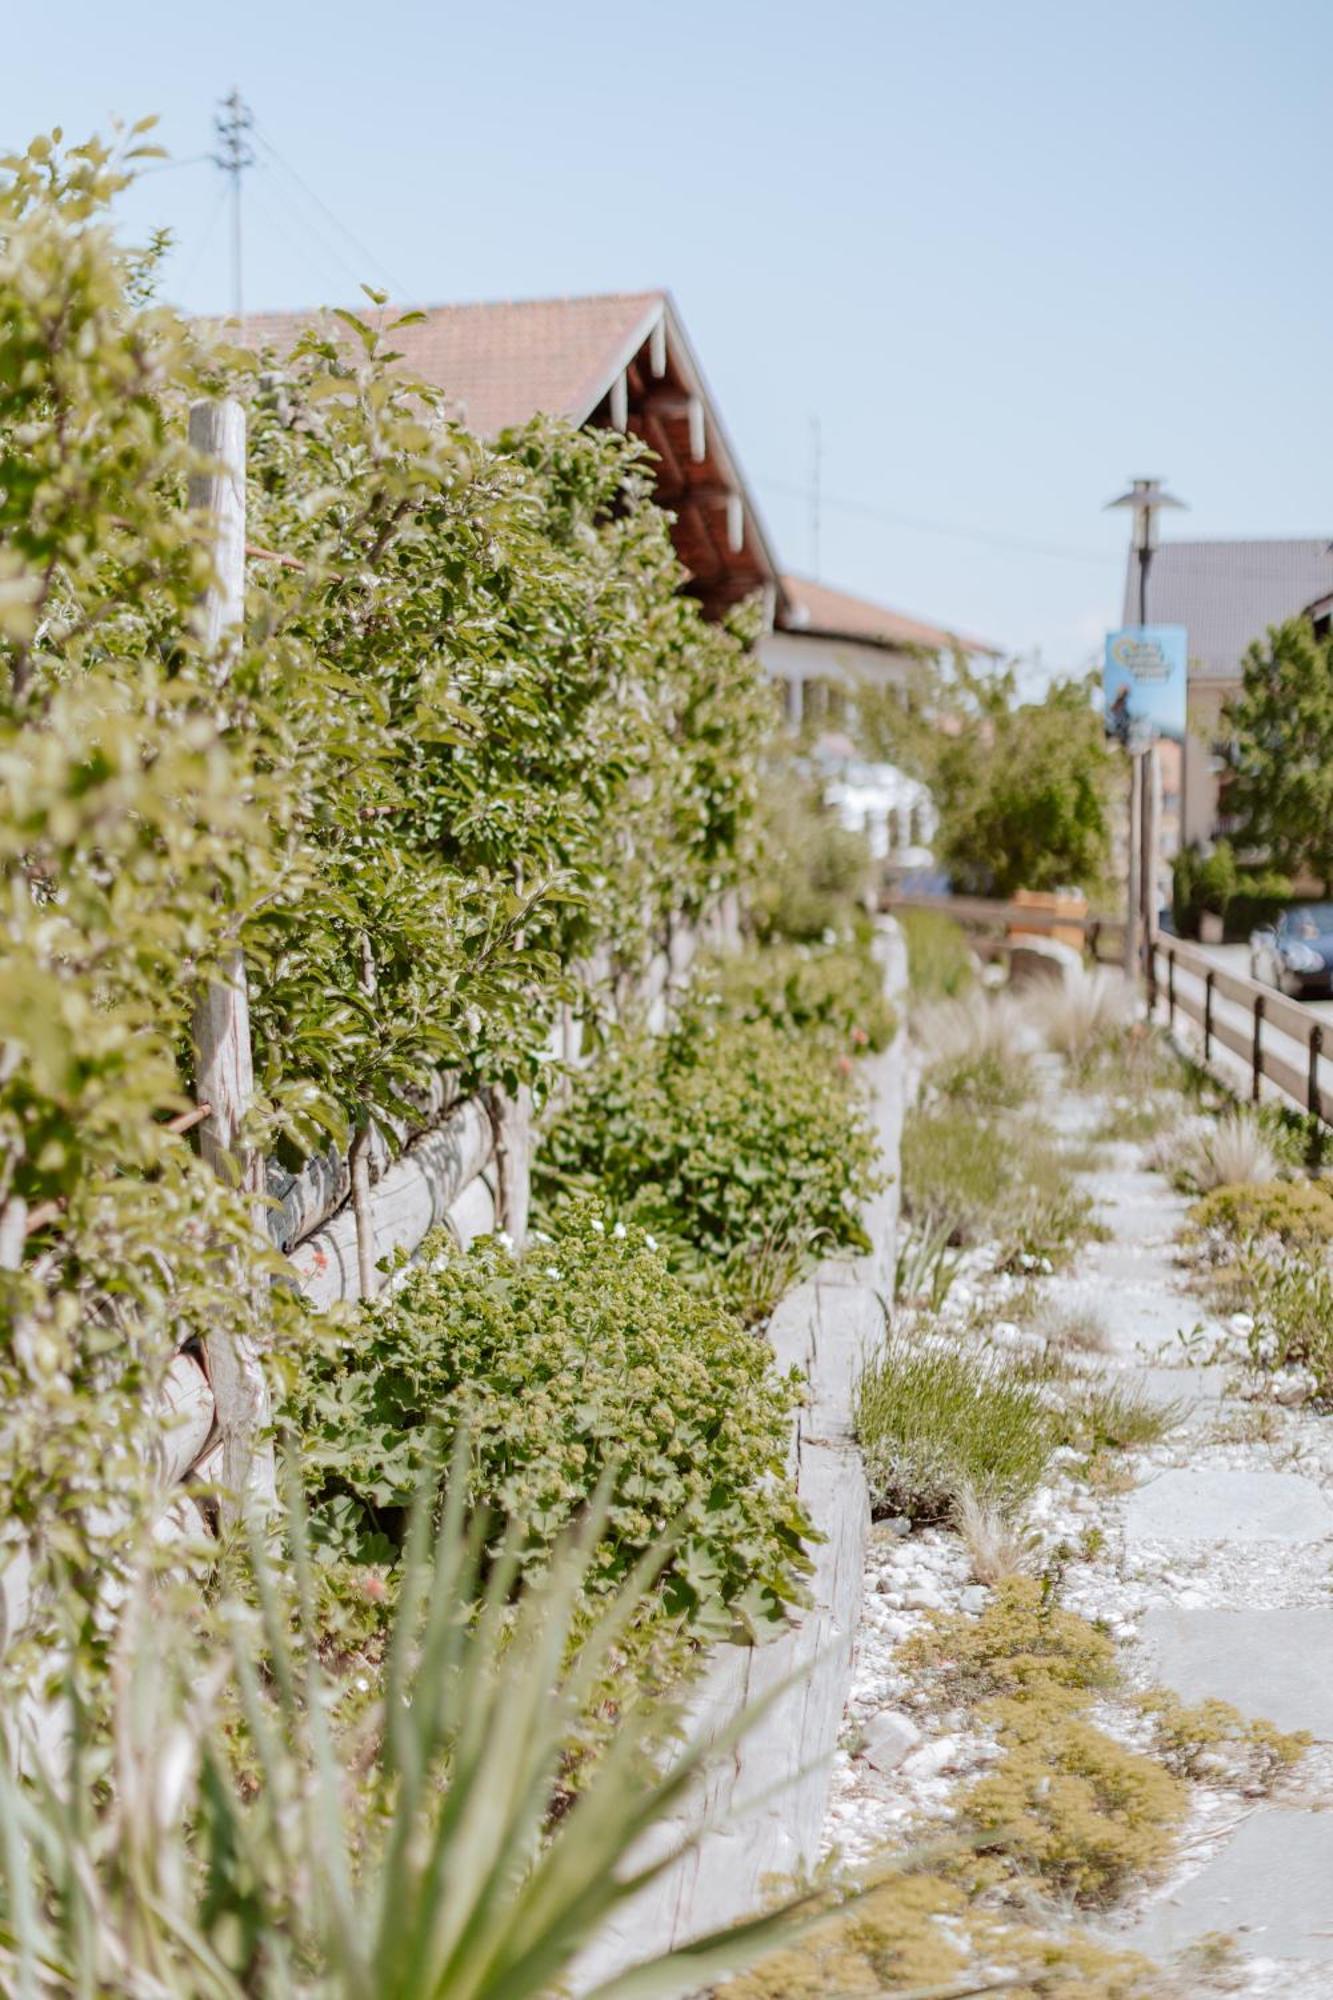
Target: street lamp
{"x": 1146, "y": 497}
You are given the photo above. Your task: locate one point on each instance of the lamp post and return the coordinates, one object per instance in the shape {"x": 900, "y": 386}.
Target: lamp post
{"x": 1145, "y": 499}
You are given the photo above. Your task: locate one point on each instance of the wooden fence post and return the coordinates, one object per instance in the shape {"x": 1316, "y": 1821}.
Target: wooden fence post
{"x": 224, "y": 1069}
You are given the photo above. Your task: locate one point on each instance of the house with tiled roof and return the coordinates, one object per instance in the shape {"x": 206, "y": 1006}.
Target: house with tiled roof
{"x": 624, "y": 360}
{"x": 1226, "y": 594}
{"x": 828, "y": 642}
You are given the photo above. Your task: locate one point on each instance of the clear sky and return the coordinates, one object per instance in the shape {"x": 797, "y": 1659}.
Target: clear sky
{"x": 1007, "y": 255}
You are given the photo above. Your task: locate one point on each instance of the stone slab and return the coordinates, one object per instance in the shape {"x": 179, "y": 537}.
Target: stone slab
{"x": 1268, "y": 1888}
{"x": 1222, "y": 1505}
{"x": 1277, "y": 1664}
{"x": 1189, "y": 1387}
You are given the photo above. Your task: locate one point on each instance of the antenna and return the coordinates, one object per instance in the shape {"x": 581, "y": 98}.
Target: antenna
{"x": 233, "y": 125}
{"x": 816, "y": 472}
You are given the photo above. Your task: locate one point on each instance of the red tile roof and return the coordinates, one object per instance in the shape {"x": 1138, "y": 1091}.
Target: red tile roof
{"x": 502, "y": 362}
{"x": 813, "y": 607}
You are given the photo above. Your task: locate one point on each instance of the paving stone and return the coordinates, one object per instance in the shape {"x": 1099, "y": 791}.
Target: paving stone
{"x": 1221, "y": 1505}
{"x": 1189, "y": 1387}
{"x": 1268, "y": 1889}
{"x": 1268, "y": 1663}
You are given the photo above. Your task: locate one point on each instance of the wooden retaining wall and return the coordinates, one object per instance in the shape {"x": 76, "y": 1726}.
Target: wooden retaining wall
{"x": 760, "y": 1813}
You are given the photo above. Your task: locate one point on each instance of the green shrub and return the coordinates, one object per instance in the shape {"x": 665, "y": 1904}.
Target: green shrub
{"x": 583, "y": 1355}
{"x": 1299, "y": 1214}
{"x": 936, "y": 1423}
{"x": 743, "y": 1148}
{"x": 832, "y": 992}
{"x": 814, "y": 874}
{"x": 939, "y": 961}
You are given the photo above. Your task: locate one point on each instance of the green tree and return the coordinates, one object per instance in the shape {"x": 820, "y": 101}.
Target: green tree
{"x": 1021, "y": 787}
{"x": 1281, "y": 788}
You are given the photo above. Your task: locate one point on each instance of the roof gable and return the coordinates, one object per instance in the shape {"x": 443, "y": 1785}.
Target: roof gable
{"x": 621, "y": 360}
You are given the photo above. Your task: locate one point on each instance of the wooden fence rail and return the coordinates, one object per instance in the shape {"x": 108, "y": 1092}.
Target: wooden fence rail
{"x": 1269, "y": 1013}
{"x": 984, "y": 913}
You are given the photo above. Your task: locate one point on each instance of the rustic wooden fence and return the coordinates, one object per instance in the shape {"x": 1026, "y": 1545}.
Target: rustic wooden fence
{"x": 1005, "y": 923}
{"x": 1186, "y": 982}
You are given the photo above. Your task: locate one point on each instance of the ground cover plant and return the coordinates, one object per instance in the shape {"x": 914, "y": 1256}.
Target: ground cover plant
{"x": 583, "y": 1360}
{"x": 742, "y": 1147}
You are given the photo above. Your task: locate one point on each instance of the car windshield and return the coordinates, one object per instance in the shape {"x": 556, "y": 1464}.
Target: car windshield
{"x": 1314, "y": 921}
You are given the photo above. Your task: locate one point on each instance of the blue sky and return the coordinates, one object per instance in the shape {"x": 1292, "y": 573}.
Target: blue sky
{"x": 1007, "y": 256}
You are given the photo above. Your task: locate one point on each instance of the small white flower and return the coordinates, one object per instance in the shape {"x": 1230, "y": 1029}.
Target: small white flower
{"x": 619, "y": 1230}
{"x": 651, "y": 1241}
{"x": 551, "y": 1271}
{"x": 598, "y": 1225}
{"x": 362, "y": 1684}
{"x": 540, "y": 1236}
{"x": 503, "y": 1236}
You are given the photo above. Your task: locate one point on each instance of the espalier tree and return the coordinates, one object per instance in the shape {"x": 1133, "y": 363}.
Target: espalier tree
{"x": 473, "y": 732}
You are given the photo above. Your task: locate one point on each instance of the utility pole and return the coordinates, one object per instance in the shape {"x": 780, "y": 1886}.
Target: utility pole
{"x": 1145, "y": 500}
{"x": 233, "y": 125}
{"x": 816, "y": 474}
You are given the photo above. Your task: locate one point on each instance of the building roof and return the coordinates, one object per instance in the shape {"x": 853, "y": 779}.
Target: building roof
{"x": 836, "y": 614}
{"x": 1227, "y": 593}
{"x": 620, "y": 359}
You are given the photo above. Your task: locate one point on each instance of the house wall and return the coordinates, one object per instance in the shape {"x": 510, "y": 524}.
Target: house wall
{"x": 807, "y": 664}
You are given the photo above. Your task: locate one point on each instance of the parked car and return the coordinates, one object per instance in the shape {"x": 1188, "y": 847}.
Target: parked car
{"x": 1296, "y": 953}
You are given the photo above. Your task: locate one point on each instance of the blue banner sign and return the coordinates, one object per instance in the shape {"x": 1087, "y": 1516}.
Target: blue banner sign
{"x": 1144, "y": 683}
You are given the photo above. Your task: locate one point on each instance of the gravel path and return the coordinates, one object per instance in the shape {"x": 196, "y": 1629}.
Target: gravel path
{"x": 1212, "y": 1574}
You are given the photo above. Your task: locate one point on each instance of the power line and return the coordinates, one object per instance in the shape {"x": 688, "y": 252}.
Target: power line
{"x": 1015, "y": 544}
{"x": 310, "y": 193}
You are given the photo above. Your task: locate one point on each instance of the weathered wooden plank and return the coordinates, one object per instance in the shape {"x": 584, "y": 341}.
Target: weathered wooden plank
{"x": 415, "y": 1194}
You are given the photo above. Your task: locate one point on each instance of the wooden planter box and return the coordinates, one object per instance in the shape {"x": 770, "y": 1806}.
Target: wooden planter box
{"x": 1055, "y": 905}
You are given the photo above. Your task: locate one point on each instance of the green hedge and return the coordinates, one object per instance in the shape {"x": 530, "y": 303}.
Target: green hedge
{"x": 742, "y": 1146}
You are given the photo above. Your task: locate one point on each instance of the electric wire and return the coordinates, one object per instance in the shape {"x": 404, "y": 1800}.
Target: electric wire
{"x": 310, "y": 193}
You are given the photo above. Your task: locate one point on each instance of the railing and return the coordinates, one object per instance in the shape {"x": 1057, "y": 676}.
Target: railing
{"x": 981, "y": 913}
{"x": 1269, "y": 1014}
{"x": 1188, "y": 982}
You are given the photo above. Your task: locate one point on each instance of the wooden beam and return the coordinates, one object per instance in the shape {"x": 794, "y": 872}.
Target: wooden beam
{"x": 657, "y": 348}
{"x": 735, "y": 522}
{"x": 620, "y": 403}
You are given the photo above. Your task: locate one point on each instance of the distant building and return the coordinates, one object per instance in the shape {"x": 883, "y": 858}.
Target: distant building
{"x": 827, "y": 643}
{"x": 1226, "y": 594}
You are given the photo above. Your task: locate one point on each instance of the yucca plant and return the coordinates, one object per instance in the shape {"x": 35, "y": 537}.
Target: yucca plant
{"x": 440, "y": 1854}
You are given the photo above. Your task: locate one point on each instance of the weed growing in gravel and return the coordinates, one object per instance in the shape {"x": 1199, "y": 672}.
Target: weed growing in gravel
{"x": 925, "y": 1266}
{"x": 1111, "y": 1414}
{"x": 1221, "y": 1152}
{"x": 998, "y": 1544}
{"x": 1071, "y": 1329}
{"x": 936, "y": 1422}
